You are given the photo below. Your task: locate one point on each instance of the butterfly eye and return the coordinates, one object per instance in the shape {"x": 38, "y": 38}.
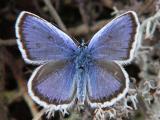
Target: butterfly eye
{"x": 81, "y": 67}
{"x": 82, "y": 44}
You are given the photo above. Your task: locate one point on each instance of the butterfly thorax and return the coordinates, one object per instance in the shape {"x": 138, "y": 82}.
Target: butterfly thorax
{"x": 82, "y": 58}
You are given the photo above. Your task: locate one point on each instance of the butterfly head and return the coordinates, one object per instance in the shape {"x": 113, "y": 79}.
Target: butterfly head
{"x": 82, "y": 44}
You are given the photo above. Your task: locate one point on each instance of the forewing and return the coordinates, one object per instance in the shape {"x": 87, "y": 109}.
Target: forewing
{"x": 117, "y": 40}
{"x": 53, "y": 84}
{"x": 108, "y": 82}
{"x": 39, "y": 41}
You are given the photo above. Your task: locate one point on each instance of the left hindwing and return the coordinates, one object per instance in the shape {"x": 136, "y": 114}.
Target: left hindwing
{"x": 53, "y": 84}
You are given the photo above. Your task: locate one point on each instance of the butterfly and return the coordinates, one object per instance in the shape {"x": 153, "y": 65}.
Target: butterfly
{"x": 91, "y": 74}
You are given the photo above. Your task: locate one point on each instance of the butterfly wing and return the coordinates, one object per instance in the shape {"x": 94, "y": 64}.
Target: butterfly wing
{"x": 117, "y": 40}
{"x": 53, "y": 84}
{"x": 108, "y": 82}
{"x": 39, "y": 41}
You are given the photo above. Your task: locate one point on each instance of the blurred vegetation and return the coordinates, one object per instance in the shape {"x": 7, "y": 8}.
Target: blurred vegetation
{"x": 80, "y": 19}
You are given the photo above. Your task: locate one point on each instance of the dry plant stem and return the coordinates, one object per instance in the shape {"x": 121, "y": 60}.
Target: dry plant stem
{"x": 39, "y": 115}
{"x": 140, "y": 7}
{"x": 142, "y": 107}
{"x": 145, "y": 6}
{"x": 3, "y": 103}
{"x": 83, "y": 12}
{"x": 22, "y": 86}
{"x": 11, "y": 96}
{"x": 108, "y": 3}
{"x": 9, "y": 42}
{"x": 2, "y": 73}
{"x": 147, "y": 28}
{"x": 55, "y": 15}
{"x": 16, "y": 67}
{"x": 84, "y": 16}
{"x": 39, "y": 9}
{"x": 3, "y": 111}
{"x": 82, "y": 29}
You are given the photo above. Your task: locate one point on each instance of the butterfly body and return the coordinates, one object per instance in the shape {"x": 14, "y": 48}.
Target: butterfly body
{"x": 82, "y": 59}
{"x": 81, "y": 85}
{"x": 91, "y": 74}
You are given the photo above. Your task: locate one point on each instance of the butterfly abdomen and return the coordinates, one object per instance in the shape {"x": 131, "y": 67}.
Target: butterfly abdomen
{"x": 81, "y": 62}
{"x": 81, "y": 86}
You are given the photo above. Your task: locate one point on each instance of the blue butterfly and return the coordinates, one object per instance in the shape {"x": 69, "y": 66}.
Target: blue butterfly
{"x": 86, "y": 74}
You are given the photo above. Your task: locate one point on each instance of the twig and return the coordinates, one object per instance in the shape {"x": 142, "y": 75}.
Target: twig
{"x": 9, "y": 42}
{"x": 146, "y": 6}
{"x": 39, "y": 115}
{"x": 83, "y": 11}
{"x": 23, "y": 86}
{"x": 108, "y": 3}
{"x": 39, "y": 9}
{"x": 55, "y": 15}
{"x": 16, "y": 67}
{"x": 81, "y": 30}
{"x": 3, "y": 110}
{"x": 148, "y": 26}
{"x": 11, "y": 96}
